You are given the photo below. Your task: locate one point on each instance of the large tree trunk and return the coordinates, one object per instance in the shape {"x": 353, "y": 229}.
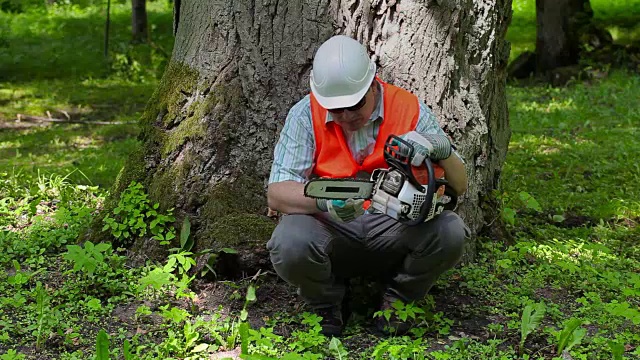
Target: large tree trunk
{"x": 237, "y": 67}
{"x": 139, "y": 30}
{"x": 560, "y": 26}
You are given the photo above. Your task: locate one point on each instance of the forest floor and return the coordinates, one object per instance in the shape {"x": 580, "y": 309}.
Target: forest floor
{"x": 562, "y": 280}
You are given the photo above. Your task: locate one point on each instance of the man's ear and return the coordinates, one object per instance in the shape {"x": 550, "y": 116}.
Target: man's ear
{"x": 374, "y": 86}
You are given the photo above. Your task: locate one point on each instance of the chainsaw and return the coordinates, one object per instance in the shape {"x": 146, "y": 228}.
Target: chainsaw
{"x": 410, "y": 194}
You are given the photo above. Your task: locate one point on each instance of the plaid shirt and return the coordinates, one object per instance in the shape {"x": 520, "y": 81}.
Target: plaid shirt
{"x": 293, "y": 154}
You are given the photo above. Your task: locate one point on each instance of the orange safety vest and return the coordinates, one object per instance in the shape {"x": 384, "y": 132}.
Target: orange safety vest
{"x": 333, "y": 158}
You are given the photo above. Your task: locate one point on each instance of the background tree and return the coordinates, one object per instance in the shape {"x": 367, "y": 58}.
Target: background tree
{"x": 209, "y": 130}
{"x": 561, "y": 26}
{"x": 139, "y": 27}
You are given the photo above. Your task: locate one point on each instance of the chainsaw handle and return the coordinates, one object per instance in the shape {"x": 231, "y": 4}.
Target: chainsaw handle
{"x": 425, "y": 208}
{"x": 400, "y": 157}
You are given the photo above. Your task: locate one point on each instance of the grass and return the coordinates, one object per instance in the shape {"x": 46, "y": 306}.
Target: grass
{"x": 564, "y": 277}
{"x": 573, "y": 143}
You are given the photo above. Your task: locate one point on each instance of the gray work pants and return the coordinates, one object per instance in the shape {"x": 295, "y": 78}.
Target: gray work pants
{"x": 314, "y": 253}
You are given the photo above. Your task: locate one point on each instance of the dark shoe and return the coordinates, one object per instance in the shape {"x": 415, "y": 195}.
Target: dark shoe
{"x": 331, "y": 322}
{"x": 387, "y": 320}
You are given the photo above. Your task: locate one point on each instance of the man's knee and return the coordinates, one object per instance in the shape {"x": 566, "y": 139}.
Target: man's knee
{"x": 295, "y": 246}
{"x": 452, "y": 233}
{"x": 290, "y": 251}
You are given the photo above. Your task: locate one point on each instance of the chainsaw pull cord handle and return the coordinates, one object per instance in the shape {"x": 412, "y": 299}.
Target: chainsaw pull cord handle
{"x": 398, "y": 154}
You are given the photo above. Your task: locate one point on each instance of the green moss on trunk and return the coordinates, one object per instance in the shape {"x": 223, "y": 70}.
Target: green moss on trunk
{"x": 241, "y": 195}
{"x": 161, "y": 187}
{"x": 189, "y": 128}
{"x": 231, "y": 213}
{"x": 238, "y": 229}
{"x": 177, "y": 78}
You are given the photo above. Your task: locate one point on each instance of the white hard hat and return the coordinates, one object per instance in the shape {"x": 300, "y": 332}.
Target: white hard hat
{"x": 342, "y": 72}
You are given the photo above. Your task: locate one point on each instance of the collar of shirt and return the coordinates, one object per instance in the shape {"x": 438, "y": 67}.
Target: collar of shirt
{"x": 377, "y": 112}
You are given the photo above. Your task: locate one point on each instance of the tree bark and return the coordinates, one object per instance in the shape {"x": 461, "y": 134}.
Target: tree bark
{"x": 237, "y": 67}
{"x": 139, "y": 29}
{"x": 560, "y": 26}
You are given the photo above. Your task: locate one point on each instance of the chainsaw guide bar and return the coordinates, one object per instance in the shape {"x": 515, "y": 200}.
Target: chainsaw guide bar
{"x": 340, "y": 189}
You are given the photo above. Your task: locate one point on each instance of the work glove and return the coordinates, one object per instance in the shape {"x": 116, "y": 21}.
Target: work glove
{"x": 342, "y": 210}
{"x": 436, "y": 147}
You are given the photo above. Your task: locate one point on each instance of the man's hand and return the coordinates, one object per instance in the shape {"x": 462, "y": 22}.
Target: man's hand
{"x": 342, "y": 210}
{"x": 436, "y": 147}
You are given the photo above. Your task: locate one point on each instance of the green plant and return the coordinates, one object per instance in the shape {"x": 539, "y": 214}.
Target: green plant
{"x": 532, "y": 316}
{"x": 126, "y": 67}
{"x": 524, "y": 200}
{"x": 495, "y": 328}
{"x": 229, "y": 333}
{"x": 156, "y": 278}
{"x": 174, "y": 314}
{"x": 186, "y": 241}
{"x": 21, "y": 277}
{"x": 89, "y": 258}
{"x": 44, "y": 318}
{"x": 71, "y": 336}
{"x": 135, "y": 217}
{"x": 183, "y": 260}
{"x": 102, "y": 346}
{"x": 309, "y": 340}
{"x": 422, "y": 316}
{"x": 624, "y": 310}
{"x": 399, "y": 348}
{"x": 417, "y": 316}
{"x": 180, "y": 262}
{"x": 337, "y": 350}
{"x": 241, "y": 328}
{"x": 11, "y": 354}
{"x": 127, "y": 352}
{"x": 184, "y": 342}
{"x": 617, "y": 350}
{"x": 570, "y": 336}
{"x": 263, "y": 341}
{"x": 407, "y": 311}
{"x": 142, "y": 310}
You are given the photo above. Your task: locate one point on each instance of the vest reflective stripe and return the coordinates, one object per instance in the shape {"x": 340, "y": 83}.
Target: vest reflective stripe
{"x": 332, "y": 156}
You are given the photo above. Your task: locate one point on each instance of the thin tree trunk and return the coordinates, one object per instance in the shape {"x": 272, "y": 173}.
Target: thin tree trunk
{"x": 237, "y": 67}
{"x": 107, "y": 24}
{"x": 139, "y": 29}
{"x": 560, "y": 26}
